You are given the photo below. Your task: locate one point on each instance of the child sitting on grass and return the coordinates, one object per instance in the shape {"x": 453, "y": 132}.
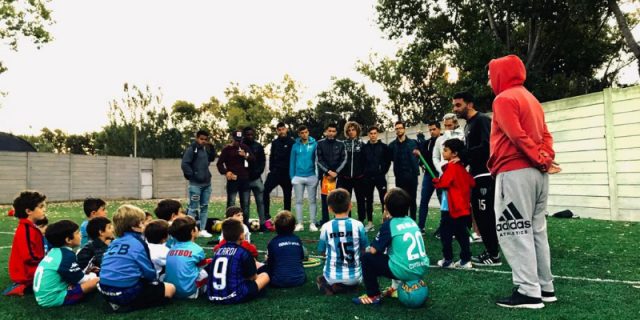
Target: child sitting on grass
{"x": 168, "y": 210}
{"x": 59, "y": 280}
{"x": 42, "y": 225}
{"x": 285, "y": 254}
{"x": 455, "y": 208}
{"x": 186, "y": 259}
{"x": 236, "y": 213}
{"x": 234, "y": 277}
{"x": 93, "y": 207}
{"x": 28, "y": 242}
{"x": 401, "y": 238}
{"x": 100, "y": 231}
{"x": 156, "y": 233}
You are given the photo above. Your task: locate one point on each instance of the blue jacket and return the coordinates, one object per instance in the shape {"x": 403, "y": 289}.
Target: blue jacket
{"x": 195, "y": 164}
{"x": 126, "y": 262}
{"x": 303, "y": 159}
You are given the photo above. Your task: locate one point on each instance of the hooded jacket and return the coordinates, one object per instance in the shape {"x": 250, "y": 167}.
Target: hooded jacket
{"x": 354, "y": 167}
{"x": 26, "y": 252}
{"x": 280, "y": 155}
{"x": 331, "y": 155}
{"x": 303, "y": 158}
{"x": 256, "y": 167}
{"x": 519, "y": 135}
{"x": 377, "y": 159}
{"x": 458, "y": 183}
{"x": 195, "y": 164}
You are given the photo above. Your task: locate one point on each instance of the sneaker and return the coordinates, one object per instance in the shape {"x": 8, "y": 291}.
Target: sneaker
{"x": 390, "y": 292}
{"x": 269, "y": 225}
{"x": 445, "y": 263}
{"x": 313, "y": 228}
{"x": 299, "y": 227}
{"x": 15, "y": 289}
{"x": 369, "y": 227}
{"x": 462, "y": 265}
{"x": 205, "y": 234}
{"x": 549, "y": 296}
{"x": 519, "y": 300}
{"x": 365, "y": 299}
{"x": 486, "y": 260}
{"x": 475, "y": 238}
{"x": 437, "y": 234}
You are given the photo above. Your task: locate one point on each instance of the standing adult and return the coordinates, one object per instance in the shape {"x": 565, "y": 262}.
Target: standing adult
{"x": 405, "y": 164}
{"x": 331, "y": 156}
{"x": 426, "y": 149}
{"x": 302, "y": 169}
{"x": 377, "y": 161}
{"x": 256, "y": 168}
{"x": 476, "y": 137}
{"x": 195, "y": 168}
{"x": 351, "y": 177}
{"x": 234, "y": 165}
{"x": 279, "y": 158}
{"x": 521, "y": 157}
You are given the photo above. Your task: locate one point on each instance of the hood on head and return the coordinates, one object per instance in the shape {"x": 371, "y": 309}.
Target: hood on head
{"x": 506, "y": 72}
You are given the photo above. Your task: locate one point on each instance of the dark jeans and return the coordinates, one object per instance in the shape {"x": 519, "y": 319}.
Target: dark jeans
{"x": 425, "y": 197}
{"x": 377, "y": 182}
{"x": 410, "y": 185}
{"x": 325, "y": 209}
{"x": 374, "y": 266}
{"x": 357, "y": 185}
{"x": 275, "y": 179}
{"x": 458, "y": 227}
{"x": 235, "y": 187}
{"x": 257, "y": 188}
{"x": 482, "y": 199}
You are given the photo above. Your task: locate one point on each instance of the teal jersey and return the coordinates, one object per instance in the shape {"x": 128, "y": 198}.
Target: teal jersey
{"x": 403, "y": 241}
{"x": 53, "y": 276}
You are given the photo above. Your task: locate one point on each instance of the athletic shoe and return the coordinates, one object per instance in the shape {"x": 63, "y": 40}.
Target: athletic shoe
{"x": 15, "y": 289}
{"x": 549, "y": 296}
{"x": 486, "y": 260}
{"x": 390, "y": 292}
{"x": 205, "y": 234}
{"x": 313, "y": 228}
{"x": 519, "y": 300}
{"x": 269, "y": 225}
{"x": 369, "y": 227}
{"x": 365, "y": 299}
{"x": 475, "y": 238}
{"x": 462, "y": 265}
{"x": 445, "y": 263}
{"x": 299, "y": 227}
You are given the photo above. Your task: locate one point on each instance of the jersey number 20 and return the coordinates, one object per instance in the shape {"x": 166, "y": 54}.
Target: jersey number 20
{"x": 416, "y": 242}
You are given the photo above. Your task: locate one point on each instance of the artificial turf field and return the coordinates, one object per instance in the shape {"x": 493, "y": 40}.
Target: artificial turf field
{"x": 582, "y": 250}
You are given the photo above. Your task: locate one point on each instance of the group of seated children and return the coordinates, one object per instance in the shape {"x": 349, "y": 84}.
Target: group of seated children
{"x": 149, "y": 263}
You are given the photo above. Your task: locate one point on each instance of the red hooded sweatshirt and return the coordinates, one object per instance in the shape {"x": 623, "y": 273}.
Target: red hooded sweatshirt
{"x": 458, "y": 183}
{"x": 26, "y": 252}
{"x": 519, "y": 135}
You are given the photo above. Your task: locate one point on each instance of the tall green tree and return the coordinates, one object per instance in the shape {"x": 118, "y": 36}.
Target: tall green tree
{"x": 562, "y": 43}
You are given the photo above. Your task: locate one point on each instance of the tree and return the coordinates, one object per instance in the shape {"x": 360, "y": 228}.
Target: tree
{"x": 630, "y": 41}
{"x": 24, "y": 20}
{"x": 467, "y": 34}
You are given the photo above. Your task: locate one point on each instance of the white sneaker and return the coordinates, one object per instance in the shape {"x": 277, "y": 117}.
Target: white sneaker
{"x": 369, "y": 227}
{"x": 299, "y": 227}
{"x": 312, "y": 227}
{"x": 204, "y": 234}
{"x": 475, "y": 238}
{"x": 460, "y": 265}
{"x": 445, "y": 263}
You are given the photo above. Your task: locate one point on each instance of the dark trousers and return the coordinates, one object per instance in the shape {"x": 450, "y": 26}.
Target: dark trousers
{"x": 376, "y": 182}
{"x": 482, "y": 199}
{"x": 241, "y": 187}
{"x": 374, "y": 266}
{"x": 275, "y": 179}
{"x": 410, "y": 185}
{"x": 425, "y": 197}
{"x": 455, "y": 226}
{"x": 357, "y": 185}
{"x": 325, "y": 209}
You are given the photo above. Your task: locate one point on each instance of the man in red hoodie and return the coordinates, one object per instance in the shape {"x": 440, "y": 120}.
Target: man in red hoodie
{"x": 521, "y": 157}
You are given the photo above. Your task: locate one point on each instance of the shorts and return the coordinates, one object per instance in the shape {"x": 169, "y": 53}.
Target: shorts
{"x": 74, "y": 295}
{"x": 246, "y": 291}
{"x": 142, "y": 295}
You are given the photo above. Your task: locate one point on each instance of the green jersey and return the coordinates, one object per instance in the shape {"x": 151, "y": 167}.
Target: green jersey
{"x": 402, "y": 240}
{"x": 53, "y": 276}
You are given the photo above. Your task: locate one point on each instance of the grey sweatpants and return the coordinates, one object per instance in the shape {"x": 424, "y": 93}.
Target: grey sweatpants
{"x": 521, "y": 225}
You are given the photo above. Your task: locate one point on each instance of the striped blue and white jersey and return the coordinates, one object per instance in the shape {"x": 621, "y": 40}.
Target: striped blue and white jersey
{"x": 343, "y": 240}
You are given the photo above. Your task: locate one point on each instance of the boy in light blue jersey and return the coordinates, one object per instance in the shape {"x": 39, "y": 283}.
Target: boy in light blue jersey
{"x": 58, "y": 279}
{"x": 93, "y": 207}
{"x": 342, "y": 240}
{"x": 186, "y": 259}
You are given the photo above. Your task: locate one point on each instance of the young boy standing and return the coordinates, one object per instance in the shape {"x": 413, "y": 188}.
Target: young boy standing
{"x": 342, "y": 240}
{"x": 59, "y": 280}
{"x": 401, "y": 238}
{"x": 28, "y": 243}
{"x": 456, "y": 183}
{"x": 285, "y": 253}
{"x": 93, "y": 207}
{"x": 100, "y": 230}
{"x": 128, "y": 280}
{"x": 234, "y": 277}
{"x": 186, "y": 259}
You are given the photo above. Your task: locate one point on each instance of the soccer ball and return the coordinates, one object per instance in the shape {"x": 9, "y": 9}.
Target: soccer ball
{"x": 254, "y": 225}
{"x": 217, "y": 227}
{"x": 413, "y": 293}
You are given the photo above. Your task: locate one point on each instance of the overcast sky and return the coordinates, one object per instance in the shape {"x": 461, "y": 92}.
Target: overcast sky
{"x": 191, "y": 49}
